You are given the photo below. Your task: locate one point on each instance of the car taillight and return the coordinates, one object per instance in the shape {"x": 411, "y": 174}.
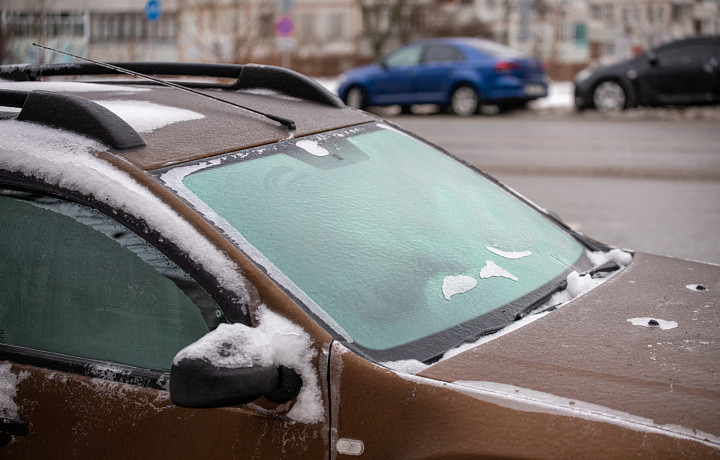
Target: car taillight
{"x": 506, "y": 66}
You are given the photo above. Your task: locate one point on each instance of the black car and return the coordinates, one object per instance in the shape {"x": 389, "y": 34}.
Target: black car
{"x": 684, "y": 72}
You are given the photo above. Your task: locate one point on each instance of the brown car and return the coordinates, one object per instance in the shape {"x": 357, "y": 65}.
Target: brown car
{"x": 243, "y": 267}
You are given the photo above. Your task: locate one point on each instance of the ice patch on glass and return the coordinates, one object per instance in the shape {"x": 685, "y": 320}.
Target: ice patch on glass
{"x": 313, "y": 148}
{"x": 508, "y": 254}
{"x": 491, "y": 269}
{"x": 457, "y": 285}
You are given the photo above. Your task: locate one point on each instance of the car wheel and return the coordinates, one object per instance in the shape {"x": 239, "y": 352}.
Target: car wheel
{"x": 464, "y": 101}
{"x": 609, "y": 96}
{"x": 356, "y": 98}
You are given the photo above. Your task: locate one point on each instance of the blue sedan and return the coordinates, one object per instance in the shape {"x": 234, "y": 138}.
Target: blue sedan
{"x": 459, "y": 74}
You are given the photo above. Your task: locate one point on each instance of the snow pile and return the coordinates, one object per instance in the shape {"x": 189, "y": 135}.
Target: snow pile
{"x": 8, "y": 390}
{"x": 66, "y": 160}
{"x": 620, "y": 257}
{"x": 275, "y": 341}
{"x": 578, "y": 285}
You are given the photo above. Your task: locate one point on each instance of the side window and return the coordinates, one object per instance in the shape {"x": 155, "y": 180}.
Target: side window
{"x": 686, "y": 55}
{"x": 404, "y": 57}
{"x": 78, "y": 283}
{"x": 442, "y": 53}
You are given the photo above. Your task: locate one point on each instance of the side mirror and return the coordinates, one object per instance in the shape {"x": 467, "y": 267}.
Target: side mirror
{"x": 199, "y": 383}
{"x": 652, "y": 58}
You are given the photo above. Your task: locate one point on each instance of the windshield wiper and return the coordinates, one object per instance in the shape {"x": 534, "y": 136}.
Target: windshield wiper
{"x": 595, "y": 272}
{"x": 551, "y": 291}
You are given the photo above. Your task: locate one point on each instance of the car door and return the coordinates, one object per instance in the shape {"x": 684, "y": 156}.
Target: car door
{"x": 682, "y": 74}
{"x": 396, "y": 83}
{"x": 433, "y": 81}
{"x": 91, "y": 315}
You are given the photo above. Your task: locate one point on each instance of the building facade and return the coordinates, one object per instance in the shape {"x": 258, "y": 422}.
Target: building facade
{"x": 325, "y": 37}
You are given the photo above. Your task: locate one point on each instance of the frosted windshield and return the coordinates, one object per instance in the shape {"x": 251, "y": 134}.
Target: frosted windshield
{"x": 390, "y": 238}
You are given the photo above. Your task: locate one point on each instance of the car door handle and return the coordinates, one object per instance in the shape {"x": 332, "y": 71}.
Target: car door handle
{"x": 13, "y": 426}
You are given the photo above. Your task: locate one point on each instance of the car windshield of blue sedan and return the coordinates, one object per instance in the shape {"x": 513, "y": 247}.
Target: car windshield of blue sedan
{"x": 381, "y": 236}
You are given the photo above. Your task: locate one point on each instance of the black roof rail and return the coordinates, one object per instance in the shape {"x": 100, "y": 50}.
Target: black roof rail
{"x": 75, "y": 114}
{"x": 247, "y": 76}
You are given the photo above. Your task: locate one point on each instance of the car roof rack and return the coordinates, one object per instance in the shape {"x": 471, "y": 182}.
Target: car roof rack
{"x": 247, "y": 76}
{"x": 75, "y": 114}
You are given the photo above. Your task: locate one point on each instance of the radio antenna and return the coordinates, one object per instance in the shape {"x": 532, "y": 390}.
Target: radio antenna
{"x": 286, "y": 122}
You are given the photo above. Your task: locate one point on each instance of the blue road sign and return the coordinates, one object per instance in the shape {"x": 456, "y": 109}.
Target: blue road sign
{"x": 284, "y": 26}
{"x": 153, "y": 9}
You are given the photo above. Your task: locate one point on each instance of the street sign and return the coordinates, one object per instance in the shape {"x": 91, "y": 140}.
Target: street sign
{"x": 153, "y": 9}
{"x": 285, "y": 44}
{"x": 284, "y": 26}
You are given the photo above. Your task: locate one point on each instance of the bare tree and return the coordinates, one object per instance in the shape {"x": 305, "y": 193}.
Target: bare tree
{"x": 381, "y": 21}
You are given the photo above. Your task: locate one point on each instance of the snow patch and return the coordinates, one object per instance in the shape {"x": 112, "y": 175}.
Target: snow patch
{"x": 146, "y": 117}
{"x": 313, "y": 148}
{"x": 620, "y": 257}
{"x": 274, "y": 341}
{"x": 653, "y": 322}
{"x": 577, "y": 285}
{"x": 491, "y": 269}
{"x": 8, "y": 390}
{"x": 457, "y": 285}
{"x": 508, "y": 254}
{"x": 70, "y": 87}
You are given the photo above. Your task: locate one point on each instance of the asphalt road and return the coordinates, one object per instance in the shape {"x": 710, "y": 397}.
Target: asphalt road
{"x": 647, "y": 180}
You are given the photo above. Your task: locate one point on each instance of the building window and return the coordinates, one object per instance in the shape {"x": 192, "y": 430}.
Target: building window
{"x": 49, "y": 25}
{"x": 580, "y": 34}
{"x": 118, "y": 27}
{"x": 681, "y": 12}
{"x": 307, "y": 27}
{"x": 266, "y": 28}
{"x": 609, "y": 14}
{"x": 337, "y": 27}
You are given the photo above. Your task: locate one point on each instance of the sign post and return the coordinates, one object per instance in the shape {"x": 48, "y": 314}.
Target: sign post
{"x": 153, "y": 10}
{"x": 284, "y": 40}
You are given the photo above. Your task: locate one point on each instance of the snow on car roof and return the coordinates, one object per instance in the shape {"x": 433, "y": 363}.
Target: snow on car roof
{"x": 179, "y": 127}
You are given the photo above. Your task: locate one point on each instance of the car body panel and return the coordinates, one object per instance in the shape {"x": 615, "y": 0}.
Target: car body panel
{"x": 388, "y": 413}
{"x": 666, "y": 374}
{"x": 432, "y": 82}
{"x": 79, "y": 416}
{"x": 583, "y": 370}
{"x": 685, "y": 72}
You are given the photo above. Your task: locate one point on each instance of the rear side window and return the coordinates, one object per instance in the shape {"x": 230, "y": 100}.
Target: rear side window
{"x": 684, "y": 55}
{"x": 442, "y": 53}
{"x": 78, "y": 283}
